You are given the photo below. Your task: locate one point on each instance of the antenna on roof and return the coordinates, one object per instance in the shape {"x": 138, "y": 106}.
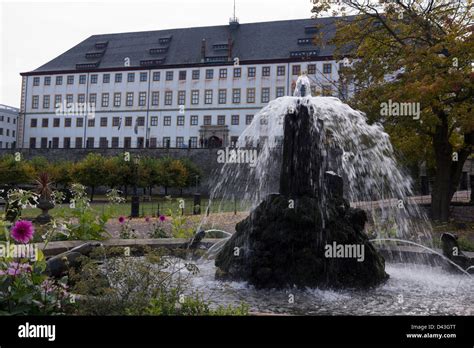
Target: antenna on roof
{"x": 234, "y": 21}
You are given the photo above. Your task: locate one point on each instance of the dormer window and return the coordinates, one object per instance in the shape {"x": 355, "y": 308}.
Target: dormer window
{"x": 304, "y": 41}
{"x": 101, "y": 45}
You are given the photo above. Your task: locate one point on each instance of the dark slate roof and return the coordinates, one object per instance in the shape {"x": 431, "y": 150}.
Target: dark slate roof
{"x": 251, "y": 42}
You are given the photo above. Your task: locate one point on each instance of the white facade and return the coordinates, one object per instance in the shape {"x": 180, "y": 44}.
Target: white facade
{"x": 184, "y": 110}
{"x": 8, "y": 126}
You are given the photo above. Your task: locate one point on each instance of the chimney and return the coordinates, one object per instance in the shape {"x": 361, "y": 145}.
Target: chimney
{"x": 203, "y": 50}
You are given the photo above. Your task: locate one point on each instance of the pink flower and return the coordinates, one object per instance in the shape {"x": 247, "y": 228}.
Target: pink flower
{"x": 16, "y": 269}
{"x": 147, "y": 219}
{"x": 162, "y": 218}
{"x": 23, "y": 231}
{"x": 121, "y": 220}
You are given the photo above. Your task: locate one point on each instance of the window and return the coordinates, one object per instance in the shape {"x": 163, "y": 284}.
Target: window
{"x": 115, "y": 121}
{"x": 194, "y": 120}
{"x": 128, "y": 121}
{"x": 179, "y": 141}
{"x": 44, "y": 122}
{"x": 167, "y": 121}
{"x": 36, "y": 81}
{"x": 208, "y": 96}
{"x": 236, "y": 95}
{"x": 156, "y": 75}
{"x": 265, "y": 95}
{"x": 67, "y": 122}
{"x": 251, "y": 72}
{"x": 182, "y": 75}
{"x": 55, "y": 143}
{"x": 181, "y": 97}
{"x": 280, "y": 92}
{"x": 250, "y": 95}
{"x": 166, "y": 141}
{"x": 94, "y": 78}
{"x": 47, "y": 81}
{"x": 69, "y": 98}
{"x": 155, "y": 98}
{"x": 143, "y": 77}
{"x": 327, "y": 90}
{"x": 115, "y": 142}
{"x": 311, "y": 69}
{"x": 222, "y": 73}
{"x": 180, "y": 120}
{"x": 169, "y": 76}
{"x": 70, "y": 79}
{"x": 81, "y": 98}
{"x": 131, "y": 77}
{"x": 93, "y": 99}
{"x": 118, "y": 78}
{"x": 168, "y": 97}
{"x": 154, "y": 121}
{"x": 90, "y": 142}
{"x": 33, "y": 143}
{"x": 79, "y": 122}
{"x": 281, "y": 70}
{"x": 195, "y": 74}
{"x": 266, "y": 71}
{"x": 193, "y": 142}
{"x": 327, "y": 68}
{"x": 142, "y": 99}
{"x": 44, "y": 143}
{"x": 103, "y": 143}
{"x": 127, "y": 142}
{"x": 103, "y": 121}
{"x": 117, "y": 99}
{"x": 209, "y": 74}
{"x": 129, "y": 101}
{"x": 33, "y": 123}
{"x": 248, "y": 119}
{"x": 105, "y": 100}
{"x": 195, "y": 97}
{"x": 82, "y": 79}
{"x": 59, "y": 80}
{"x": 57, "y": 100}
{"x": 207, "y": 120}
{"x": 140, "y": 142}
{"x": 67, "y": 143}
{"x": 297, "y": 70}
{"x": 237, "y": 73}
{"x": 78, "y": 142}
{"x": 46, "y": 100}
{"x": 35, "y": 102}
{"x": 106, "y": 78}
{"x": 56, "y": 122}
{"x": 234, "y": 120}
{"x": 91, "y": 122}
{"x": 140, "y": 121}
{"x": 222, "y": 96}
{"x": 221, "y": 120}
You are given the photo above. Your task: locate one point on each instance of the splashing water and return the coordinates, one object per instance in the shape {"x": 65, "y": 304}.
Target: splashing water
{"x": 360, "y": 152}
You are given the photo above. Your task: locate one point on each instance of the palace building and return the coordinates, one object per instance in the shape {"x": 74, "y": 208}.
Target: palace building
{"x": 192, "y": 87}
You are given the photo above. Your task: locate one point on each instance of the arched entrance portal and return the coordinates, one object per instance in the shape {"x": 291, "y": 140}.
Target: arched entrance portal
{"x": 214, "y": 142}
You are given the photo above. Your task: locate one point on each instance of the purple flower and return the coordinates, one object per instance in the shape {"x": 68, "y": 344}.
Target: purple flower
{"x": 121, "y": 220}
{"x": 162, "y": 218}
{"x": 147, "y": 219}
{"x": 23, "y": 231}
{"x": 16, "y": 268}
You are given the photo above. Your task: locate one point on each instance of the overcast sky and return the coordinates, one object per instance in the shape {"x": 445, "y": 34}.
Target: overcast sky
{"x": 34, "y": 32}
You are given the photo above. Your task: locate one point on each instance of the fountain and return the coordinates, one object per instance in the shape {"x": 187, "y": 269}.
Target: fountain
{"x": 291, "y": 237}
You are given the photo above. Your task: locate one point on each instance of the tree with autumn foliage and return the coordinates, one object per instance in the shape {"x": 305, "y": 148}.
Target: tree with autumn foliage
{"x": 418, "y": 51}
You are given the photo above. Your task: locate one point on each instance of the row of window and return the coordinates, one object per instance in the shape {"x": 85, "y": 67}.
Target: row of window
{"x": 7, "y": 132}
{"x": 265, "y": 96}
{"x": 116, "y": 142}
{"x": 182, "y": 75}
{"x": 127, "y": 121}
{"x": 13, "y": 119}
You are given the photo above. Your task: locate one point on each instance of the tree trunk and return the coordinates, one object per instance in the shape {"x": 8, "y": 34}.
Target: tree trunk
{"x": 92, "y": 193}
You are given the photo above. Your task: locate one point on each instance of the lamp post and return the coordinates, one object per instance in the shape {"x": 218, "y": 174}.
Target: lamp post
{"x": 135, "y": 209}
{"x": 197, "y": 199}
